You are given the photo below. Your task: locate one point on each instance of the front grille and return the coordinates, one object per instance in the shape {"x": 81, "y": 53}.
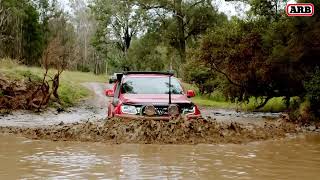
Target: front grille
{"x": 162, "y": 110}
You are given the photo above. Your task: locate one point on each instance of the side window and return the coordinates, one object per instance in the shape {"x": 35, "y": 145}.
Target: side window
{"x": 116, "y": 89}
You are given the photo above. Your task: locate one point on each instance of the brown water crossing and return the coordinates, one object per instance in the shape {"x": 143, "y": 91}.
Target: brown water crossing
{"x": 291, "y": 158}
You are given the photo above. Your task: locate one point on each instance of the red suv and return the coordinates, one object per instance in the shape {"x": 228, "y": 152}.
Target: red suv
{"x": 154, "y": 95}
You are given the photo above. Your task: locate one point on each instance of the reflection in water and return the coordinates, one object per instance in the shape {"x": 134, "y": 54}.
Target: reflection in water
{"x": 296, "y": 158}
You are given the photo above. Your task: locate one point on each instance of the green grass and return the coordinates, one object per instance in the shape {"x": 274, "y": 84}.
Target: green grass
{"x": 273, "y": 105}
{"x": 204, "y": 101}
{"x": 217, "y": 100}
{"x": 71, "y": 91}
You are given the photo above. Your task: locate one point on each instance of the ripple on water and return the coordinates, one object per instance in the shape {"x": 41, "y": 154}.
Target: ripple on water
{"x": 294, "y": 158}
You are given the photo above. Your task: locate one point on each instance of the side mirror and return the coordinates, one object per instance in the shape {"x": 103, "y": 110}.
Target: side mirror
{"x": 191, "y": 93}
{"x": 109, "y": 93}
{"x": 112, "y": 80}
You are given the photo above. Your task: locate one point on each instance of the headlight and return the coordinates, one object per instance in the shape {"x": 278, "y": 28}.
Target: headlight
{"x": 150, "y": 110}
{"x": 129, "y": 109}
{"x": 173, "y": 110}
{"x": 189, "y": 110}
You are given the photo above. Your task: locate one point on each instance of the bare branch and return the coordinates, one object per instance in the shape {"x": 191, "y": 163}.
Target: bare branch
{"x": 266, "y": 100}
{"x": 195, "y": 4}
{"x": 225, "y": 74}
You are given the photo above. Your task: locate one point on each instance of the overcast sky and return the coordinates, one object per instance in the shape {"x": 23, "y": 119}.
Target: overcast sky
{"x": 234, "y": 8}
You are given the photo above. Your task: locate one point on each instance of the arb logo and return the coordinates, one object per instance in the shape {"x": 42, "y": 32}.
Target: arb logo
{"x": 300, "y": 9}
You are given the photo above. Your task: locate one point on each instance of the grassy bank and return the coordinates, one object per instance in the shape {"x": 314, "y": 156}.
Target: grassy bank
{"x": 70, "y": 90}
{"x": 274, "y": 104}
{"x": 217, "y": 100}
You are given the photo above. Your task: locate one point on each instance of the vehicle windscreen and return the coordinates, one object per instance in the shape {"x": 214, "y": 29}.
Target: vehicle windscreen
{"x": 151, "y": 85}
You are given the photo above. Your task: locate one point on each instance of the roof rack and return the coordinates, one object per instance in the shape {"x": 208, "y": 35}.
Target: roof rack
{"x": 149, "y": 72}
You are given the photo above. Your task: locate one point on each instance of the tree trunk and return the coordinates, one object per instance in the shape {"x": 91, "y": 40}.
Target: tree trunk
{"x": 85, "y": 49}
{"x": 263, "y": 103}
{"x": 55, "y": 86}
{"x": 180, "y": 29}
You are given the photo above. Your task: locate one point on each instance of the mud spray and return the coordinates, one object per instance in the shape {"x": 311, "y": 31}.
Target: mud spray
{"x": 176, "y": 131}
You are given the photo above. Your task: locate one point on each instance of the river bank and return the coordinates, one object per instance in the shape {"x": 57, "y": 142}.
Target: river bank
{"x": 19, "y": 86}
{"x": 92, "y": 109}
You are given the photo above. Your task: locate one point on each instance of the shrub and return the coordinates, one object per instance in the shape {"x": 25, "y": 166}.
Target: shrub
{"x": 313, "y": 91}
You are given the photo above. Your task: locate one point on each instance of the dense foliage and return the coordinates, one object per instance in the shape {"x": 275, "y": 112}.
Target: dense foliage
{"x": 27, "y": 27}
{"x": 21, "y": 33}
{"x": 268, "y": 56}
{"x": 313, "y": 91}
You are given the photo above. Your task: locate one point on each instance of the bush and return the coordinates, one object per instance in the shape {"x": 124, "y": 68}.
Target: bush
{"x": 84, "y": 68}
{"x": 309, "y": 109}
{"x": 29, "y": 75}
{"x": 200, "y": 75}
{"x": 70, "y": 93}
{"x": 313, "y": 92}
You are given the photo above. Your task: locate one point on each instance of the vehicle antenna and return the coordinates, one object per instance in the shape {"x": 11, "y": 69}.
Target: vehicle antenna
{"x": 169, "y": 89}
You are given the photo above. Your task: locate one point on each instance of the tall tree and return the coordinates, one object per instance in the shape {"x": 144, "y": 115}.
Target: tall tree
{"x": 119, "y": 21}
{"x": 20, "y": 31}
{"x": 85, "y": 27}
{"x": 191, "y": 18}
{"x": 60, "y": 51}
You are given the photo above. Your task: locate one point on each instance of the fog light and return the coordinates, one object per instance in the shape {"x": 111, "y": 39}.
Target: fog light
{"x": 150, "y": 110}
{"x": 173, "y": 110}
{"x": 126, "y": 109}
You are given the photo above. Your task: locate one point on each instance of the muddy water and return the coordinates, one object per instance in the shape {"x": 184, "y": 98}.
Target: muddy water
{"x": 295, "y": 158}
{"x": 230, "y": 115}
